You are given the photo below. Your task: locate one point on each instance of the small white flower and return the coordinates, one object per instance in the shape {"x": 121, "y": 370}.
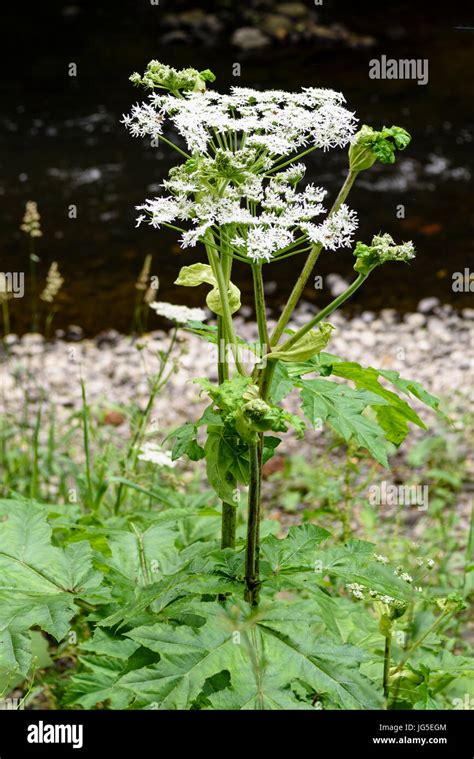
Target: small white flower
{"x": 356, "y": 589}
{"x": 386, "y": 599}
{"x": 153, "y": 453}
{"x": 430, "y": 563}
{"x": 405, "y": 576}
{"x": 382, "y": 559}
{"x": 178, "y": 314}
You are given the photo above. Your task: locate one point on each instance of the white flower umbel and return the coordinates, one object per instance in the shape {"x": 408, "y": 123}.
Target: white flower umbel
{"x": 153, "y": 454}
{"x": 178, "y": 314}
{"x": 277, "y": 121}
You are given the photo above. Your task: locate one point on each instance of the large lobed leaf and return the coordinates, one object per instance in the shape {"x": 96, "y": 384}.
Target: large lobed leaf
{"x": 264, "y": 654}
{"x": 39, "y": 582}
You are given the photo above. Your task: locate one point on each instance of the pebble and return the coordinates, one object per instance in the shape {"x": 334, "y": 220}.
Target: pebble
{"x": 427, "y": 305}
{"x": 415, "y": 320}
{"x": 249, "y": 38}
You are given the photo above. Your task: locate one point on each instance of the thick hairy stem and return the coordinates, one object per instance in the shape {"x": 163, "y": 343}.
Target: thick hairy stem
{"x": 252, "y": 573}
{"x": 228, "y": 509}
{"x": 260, "y": 308}
{"x": 226, "y": 315}
{"x": 229, "y": 517}
{"x": 309, "y": 266}
{"x": 386, "y": 663}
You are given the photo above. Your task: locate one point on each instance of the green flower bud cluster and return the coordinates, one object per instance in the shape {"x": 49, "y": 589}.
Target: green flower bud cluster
{"x": 158, "y": 75}
{"x": 382, "y": 249}
{"x": 369, "y": 146}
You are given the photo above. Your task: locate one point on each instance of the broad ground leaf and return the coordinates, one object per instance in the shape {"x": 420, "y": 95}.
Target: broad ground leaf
{"x": 355, "y": 562}
{"x": 103, "y": 660}
{"x": 38, "y": 582}
{"x": 141, "y": 556}
{"x": 299, "y": 562}
{"x": 259, "y": 655}
{"x": 299, "y": 548}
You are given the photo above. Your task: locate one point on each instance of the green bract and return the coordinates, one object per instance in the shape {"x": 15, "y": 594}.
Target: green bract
{"x": 198, "y": 274}
{"x": 307, "y": 346}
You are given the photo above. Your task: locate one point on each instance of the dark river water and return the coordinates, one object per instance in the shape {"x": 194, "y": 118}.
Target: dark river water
{"x": 62, "y": 143}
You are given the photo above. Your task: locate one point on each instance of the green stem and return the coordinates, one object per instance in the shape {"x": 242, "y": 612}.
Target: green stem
{"x": 325, "y": 312}
{"x": 386, "y": 663}
{"x": 260, "y": 308}
{"x": 420, "y": 640}
{"x": 278, "y": 166}
{"x": 132, "y": 453}
{"x": 85, "y": 432}
{"x": 252, "y": 572}
{"x": 35, "y": 449}
{"x": 309, "y": 265}
{"x": 229, "y": 518}
{"x": 226, "y": 316}
{"x": 175, "y": 147}
{"x": 229, "y": 510}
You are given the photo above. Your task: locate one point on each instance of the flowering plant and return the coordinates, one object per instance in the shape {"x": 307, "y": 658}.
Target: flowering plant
{"x": 152, "y": 574}
{"x": 238, "y": 192}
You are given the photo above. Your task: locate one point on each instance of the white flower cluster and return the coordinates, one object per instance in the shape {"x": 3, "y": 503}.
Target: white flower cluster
{"x": 153, "y": 454}
{"x": 360, "y": 592}
{"x": 178, "y": 314}
{"x": 428, "y": 562}
{"x": 267, "y": 213}
{"x": 236, "y": 140}
{"x": 336, "y": 231}
{"x": 399, "y": 572}
{"x": 276, "y": 121}
{"x": 356, "y": 589}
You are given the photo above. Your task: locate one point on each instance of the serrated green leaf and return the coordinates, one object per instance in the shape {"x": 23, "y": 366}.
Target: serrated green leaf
{"x": 221, "y": 463}
{"x": 185, "y": 443}
{"x": 282, "y": 383}
{"x": 189, "y": 656}
{"x": 38, "y": 582}
{"x": 341, "y": 407}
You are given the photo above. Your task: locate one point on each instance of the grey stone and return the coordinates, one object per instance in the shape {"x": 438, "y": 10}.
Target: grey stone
{"x": 295, "y": 10}
{"x": 107, "y": 338}
{"x": 32, "y": 338}
{"x": 249, "y": 38}
{"x": 74, "y": 333}
{"x": 427, "y": 305}
{"x": 415, "y": 320}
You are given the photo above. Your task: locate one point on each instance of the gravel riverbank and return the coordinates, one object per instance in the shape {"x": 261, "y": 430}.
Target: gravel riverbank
{"x": 433, "y": 348}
